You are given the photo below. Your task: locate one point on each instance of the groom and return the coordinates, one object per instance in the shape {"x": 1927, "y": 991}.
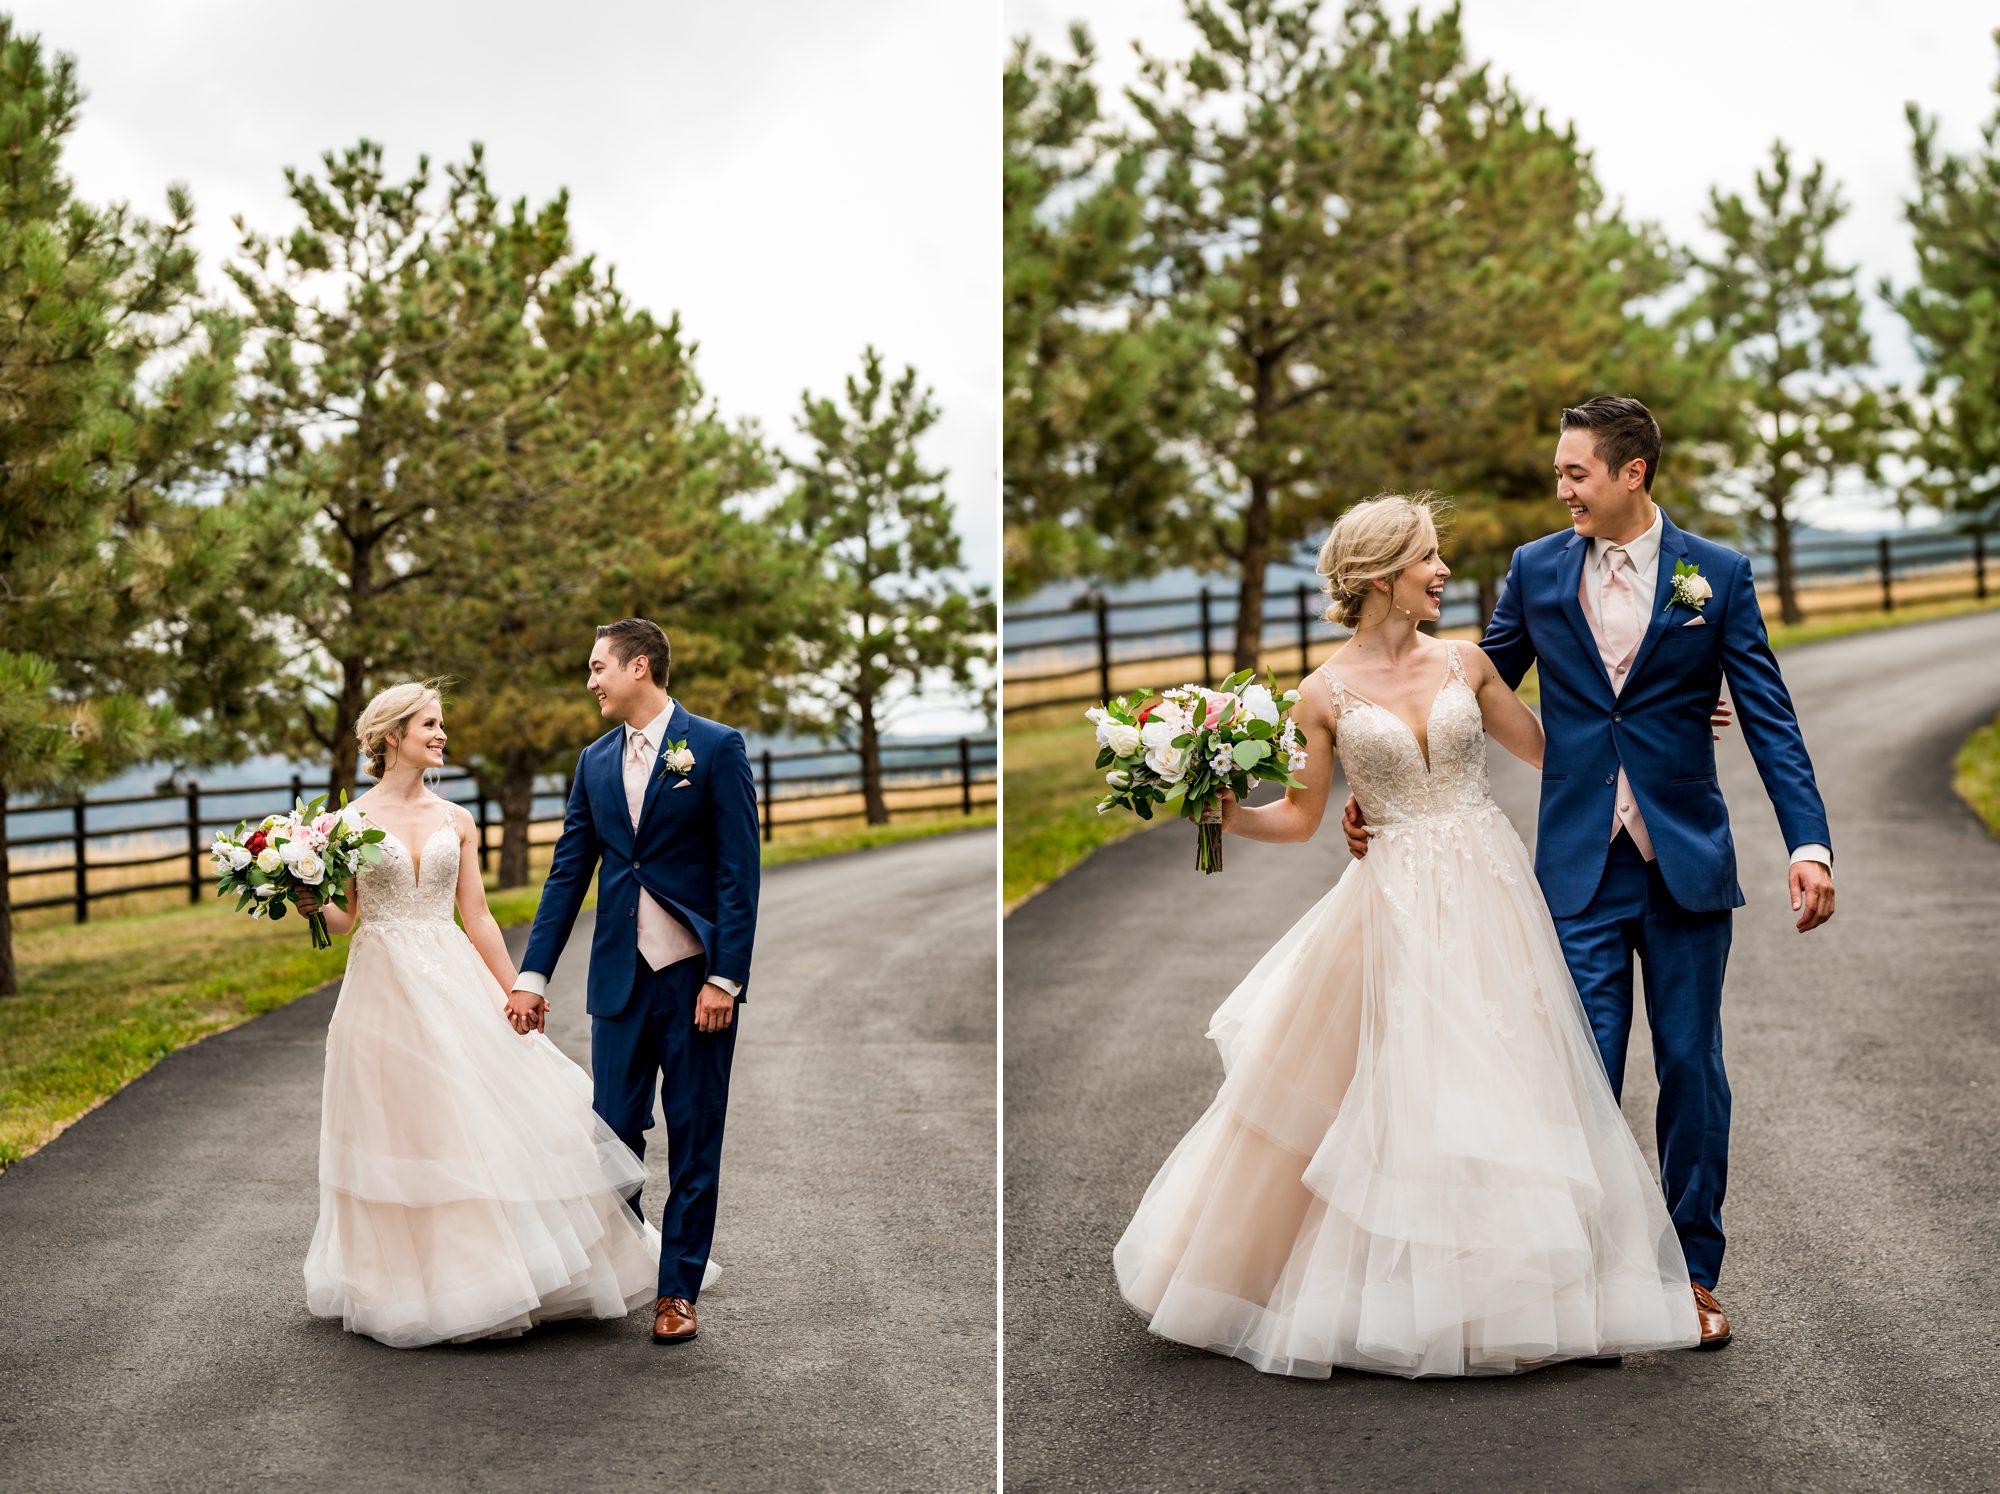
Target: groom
{"x": 666, "y": 803}
{"x": 1635, "y": 623}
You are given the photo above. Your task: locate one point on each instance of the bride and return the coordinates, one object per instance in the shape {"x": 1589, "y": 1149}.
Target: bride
{"x": 1414, "y": 1164}
{"x": 466, "y": 1188}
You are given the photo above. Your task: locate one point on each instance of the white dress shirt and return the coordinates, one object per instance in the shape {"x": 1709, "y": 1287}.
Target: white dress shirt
{"x": 1645, "y": 553}
{"x": 654, "y": 732}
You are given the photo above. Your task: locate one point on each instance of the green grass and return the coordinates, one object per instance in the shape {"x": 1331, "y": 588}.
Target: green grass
{"x": 1819, "y": 630}
{"x": 103, "y": 1002}
{"x": 1976, "y": 774}
{"x": 1051, "y": 787}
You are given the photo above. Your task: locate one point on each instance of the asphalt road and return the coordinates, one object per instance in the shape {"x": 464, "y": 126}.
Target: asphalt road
{"x": 1863, "y": 1275}
{"x": 153, "y": 1328}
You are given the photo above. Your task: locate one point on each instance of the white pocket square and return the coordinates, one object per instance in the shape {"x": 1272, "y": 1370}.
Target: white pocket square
{"x": 1695, "y": 622}
{"x": 687, "y": 782}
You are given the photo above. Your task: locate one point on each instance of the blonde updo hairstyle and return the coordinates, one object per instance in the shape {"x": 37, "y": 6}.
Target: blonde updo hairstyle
{"x": 388, "y": 715}
{"x": 1375, "y": 540}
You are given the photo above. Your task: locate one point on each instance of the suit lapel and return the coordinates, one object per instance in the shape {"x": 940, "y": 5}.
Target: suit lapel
{"x": 610, "y": 768}
{"x": 1569, "y": 582}
{"x": 677, "y": 721}
{"x": 1673, "y": 547}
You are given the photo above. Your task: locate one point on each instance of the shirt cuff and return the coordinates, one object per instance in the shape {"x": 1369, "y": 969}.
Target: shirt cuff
{"x": 1812, "y": 851}
{"x": 533, "y": 982}
{"x": 727, "y": 986}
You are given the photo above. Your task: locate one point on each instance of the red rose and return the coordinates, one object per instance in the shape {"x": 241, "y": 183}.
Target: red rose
{"x": 256, "y": 843}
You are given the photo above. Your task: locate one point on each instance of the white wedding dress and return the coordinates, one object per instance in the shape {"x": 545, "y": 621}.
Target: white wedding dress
{"x": 467, "y": 1189}
{"x": 1414, "y": 1164}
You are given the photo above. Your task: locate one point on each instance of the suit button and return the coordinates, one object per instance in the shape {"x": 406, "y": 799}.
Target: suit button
{"x": 635, "y": 866}
{"x": 1609, "y": 779}
{"x": 1616, "y": 717}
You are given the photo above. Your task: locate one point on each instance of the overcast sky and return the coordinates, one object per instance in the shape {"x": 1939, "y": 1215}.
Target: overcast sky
{"x": 796, "y": 179}
{"x": 1672, "y": 101}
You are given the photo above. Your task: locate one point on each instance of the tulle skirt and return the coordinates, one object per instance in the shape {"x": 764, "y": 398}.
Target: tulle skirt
{"x": 467, "y": 1189}
{"x": 1414, "y": 1164}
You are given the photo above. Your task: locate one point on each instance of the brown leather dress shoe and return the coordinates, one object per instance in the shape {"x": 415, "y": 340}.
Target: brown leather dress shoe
{"x": 1714, "y": 1321}
{"x": 673, "y": 1320}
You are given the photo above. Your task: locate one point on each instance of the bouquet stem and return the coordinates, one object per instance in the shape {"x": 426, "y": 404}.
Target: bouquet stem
{"x": 1208, "y": 848}
{"x": 320, "y": 937}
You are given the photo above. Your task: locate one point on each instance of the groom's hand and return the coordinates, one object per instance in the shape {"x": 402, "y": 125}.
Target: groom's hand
{"x": 1812, "y": 894}
{"x": 1352, "y": 826}
{"x": 714, "y": 1009}
{"x": 527, "y": 1011}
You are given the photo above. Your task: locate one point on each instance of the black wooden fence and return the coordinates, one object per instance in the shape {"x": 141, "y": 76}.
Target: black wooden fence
{"x": 1118, "y": 635}
{"x": 965, "y": 763}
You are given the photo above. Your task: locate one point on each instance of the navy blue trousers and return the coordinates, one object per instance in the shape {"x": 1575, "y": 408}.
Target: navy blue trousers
{"x": 1682, "y": 955}
{"x": 653, "y": 1042}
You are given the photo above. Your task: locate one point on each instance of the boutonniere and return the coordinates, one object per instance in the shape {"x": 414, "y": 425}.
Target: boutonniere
{"x": 676, "y": 758}
{"x": 1691, "y": 588}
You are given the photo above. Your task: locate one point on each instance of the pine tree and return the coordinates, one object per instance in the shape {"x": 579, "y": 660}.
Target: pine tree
{"x": 120, "y": 595}
{"x": 1100, "y": 386}
{"x": 1792, "y": 319}
{"x": 900, "y": 615}
{"x": 1381, "y": 269}
{"x": 616, "y": 498}
{"x": 1953, "y": 311}
{"x": 390, "y": 332}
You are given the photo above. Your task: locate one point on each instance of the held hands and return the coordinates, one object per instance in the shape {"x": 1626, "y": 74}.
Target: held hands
{"x": 1812, "y": 894}
{"x": 527, "y": 1012}
{"x": 714, "y": 1009}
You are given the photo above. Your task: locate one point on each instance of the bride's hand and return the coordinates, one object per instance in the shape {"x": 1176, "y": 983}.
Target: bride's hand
{"x": 1223, "y": 812}
{"x": 308, "y": 900}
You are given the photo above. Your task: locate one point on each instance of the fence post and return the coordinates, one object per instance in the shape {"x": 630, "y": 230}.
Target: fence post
{"x": 1207, "y": 632}
{"x": 769, "y": 806}
{"x": 1882, "y": 557}
{"x": 81, "y": 870}
{"x": 1103, "y": 647}
{"x": 1979, "y": 562}
{"x": 1305, "y": 633}
{"x": 194, "y": 841}
{"x": 965, "y": 773}
{"x": 484, "y": 853}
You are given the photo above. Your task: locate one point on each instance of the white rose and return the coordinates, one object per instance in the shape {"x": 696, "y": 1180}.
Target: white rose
{"x": 309, "y": 869}
{"x": 1118, "y": 778}
{"x": 230, "y": 855}
{"x": 269, "y": 889}
{"x": 681, "y": 760}
{"x": 269, "y": 862}
{"x": 1122, "y": 739}
{"x": 1165, "y": 759}
{"x": 1697, "y": 587}
{"x": 1171, "y": 713}
{"x": 292, "y": 850}
{"x": 1259, "y": 705}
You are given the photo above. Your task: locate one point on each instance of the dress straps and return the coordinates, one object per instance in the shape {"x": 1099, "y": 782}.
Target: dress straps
{"x": 1333, "y": 686}
{"x": 1451, "y": 661}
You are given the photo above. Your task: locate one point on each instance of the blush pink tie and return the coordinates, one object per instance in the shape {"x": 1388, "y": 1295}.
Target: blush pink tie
{"x": 1619, "y": 628}
{"x": 663, "y": 939}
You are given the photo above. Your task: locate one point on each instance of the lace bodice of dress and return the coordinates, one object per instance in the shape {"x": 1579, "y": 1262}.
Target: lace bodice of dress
{"x": 1385, "y": 766}
{"x": 390, "y": 890}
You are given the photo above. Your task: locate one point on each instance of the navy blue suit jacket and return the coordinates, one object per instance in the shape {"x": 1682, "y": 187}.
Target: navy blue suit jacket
{"x": 1657, "y": 728}
{"x": 695, "y": 851}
